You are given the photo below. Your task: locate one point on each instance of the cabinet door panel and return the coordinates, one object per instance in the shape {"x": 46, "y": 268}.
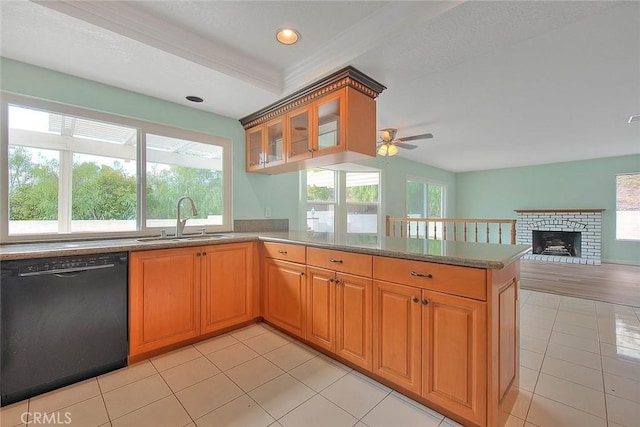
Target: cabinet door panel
{"x": 454, "y": 365}
{"x": 354, "y": 319}
{"x": 321, "y": 307}
{"x": 227, "y": 285}
{"x": 297, "y": 138}
{"x": 397, "y": 334}
{"x": 285, "y": 295}
{"x": 329, "y": 124}
{"x": 275, "y": 143}
{"x": 255, "y": 148}
{"x": 164, "y": 298}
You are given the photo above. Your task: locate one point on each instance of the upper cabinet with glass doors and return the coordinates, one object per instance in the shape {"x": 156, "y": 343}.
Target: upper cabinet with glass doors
{"x": 331, "y": 121}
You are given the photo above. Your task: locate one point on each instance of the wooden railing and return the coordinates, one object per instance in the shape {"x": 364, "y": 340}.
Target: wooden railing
{"x": 481, "y": 230}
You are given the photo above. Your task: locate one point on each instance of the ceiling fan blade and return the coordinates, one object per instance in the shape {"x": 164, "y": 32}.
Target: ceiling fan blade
{"x": 415, "y": 137}
{"x": 406, "y": 146}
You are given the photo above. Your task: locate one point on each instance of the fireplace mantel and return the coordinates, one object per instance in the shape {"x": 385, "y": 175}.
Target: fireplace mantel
{"x": 558, "y": 210}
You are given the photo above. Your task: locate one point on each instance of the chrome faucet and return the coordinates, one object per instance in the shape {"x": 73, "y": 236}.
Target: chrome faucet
{"x": 180, "y": 223}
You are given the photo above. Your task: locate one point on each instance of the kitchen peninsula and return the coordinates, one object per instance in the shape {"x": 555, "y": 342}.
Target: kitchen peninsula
{"x": 437, "y": 321}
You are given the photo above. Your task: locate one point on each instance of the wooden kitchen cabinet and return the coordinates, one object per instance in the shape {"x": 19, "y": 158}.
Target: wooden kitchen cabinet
{"x": 331, "y": 121}
{"x": 397, "y": 334}
{"x": 164, "y": 298}
{"x": 265, "y": 145}
{"x": 227, "y": 285}
{"x": 179, "y": 294}
{"x": 339, "y": 304}
{"x": 454, "y": 354}
{"x": 285, "y": 295}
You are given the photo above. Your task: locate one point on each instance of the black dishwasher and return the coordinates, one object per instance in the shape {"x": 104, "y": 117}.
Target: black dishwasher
{"x": 63, "y": 320}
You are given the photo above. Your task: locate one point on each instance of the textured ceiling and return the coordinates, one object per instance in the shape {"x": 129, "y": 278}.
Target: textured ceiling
{"x": 499, "y": 84}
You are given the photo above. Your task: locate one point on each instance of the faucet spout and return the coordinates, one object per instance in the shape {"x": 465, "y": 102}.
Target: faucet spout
{"x": 180, "y": 223}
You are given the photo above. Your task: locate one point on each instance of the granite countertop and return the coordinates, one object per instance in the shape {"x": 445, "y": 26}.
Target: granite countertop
{"x": 479, "y": 255}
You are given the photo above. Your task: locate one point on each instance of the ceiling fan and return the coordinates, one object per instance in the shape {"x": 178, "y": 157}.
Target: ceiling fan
{"x": 388, "y": 145}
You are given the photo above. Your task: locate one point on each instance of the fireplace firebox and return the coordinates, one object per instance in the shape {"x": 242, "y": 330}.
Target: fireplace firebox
{"x": 557, "y": 243}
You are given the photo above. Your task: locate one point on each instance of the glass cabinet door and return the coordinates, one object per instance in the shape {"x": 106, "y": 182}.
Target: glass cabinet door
{"x": 255, "y": 156}
{"x": 275, "y": 143}
{"x": 299, "y": 128}
{"x": 328, "y": 124}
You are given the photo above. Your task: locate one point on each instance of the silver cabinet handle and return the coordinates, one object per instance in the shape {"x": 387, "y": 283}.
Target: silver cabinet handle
{"x": 282, "y": 252}
{"x": 425, "y": 276}
{"x": 335, "y": 260}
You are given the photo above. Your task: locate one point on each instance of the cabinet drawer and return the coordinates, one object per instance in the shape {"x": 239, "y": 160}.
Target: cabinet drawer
{"x": 452, "y": 279}
{"x": 345, "y": 262}
{"x": 285, "y": 251}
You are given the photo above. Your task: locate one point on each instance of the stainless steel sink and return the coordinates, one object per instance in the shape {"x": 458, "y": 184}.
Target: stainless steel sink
{"x": 185, "y": 237}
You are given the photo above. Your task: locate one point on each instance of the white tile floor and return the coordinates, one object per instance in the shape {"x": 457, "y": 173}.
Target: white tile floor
{"x": 580, "y": 366}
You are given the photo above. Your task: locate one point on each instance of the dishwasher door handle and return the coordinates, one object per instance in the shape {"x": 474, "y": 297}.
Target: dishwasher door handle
{"x": 66, "y": 270}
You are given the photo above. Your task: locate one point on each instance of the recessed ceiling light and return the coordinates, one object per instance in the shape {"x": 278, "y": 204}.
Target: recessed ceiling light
{"x": 634, "y": 119}
{"x": 194, "y": 98}
{"x": 287, "y": 35}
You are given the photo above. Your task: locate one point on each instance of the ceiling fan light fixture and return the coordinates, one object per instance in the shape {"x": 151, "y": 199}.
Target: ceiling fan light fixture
{"x": 287, "y": 35}
{"x": 382, "y": 150}
{"x": 392, "y": 150}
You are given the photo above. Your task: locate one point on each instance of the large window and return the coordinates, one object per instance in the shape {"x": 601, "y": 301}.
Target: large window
{"x": 425, "y": 199}
{"x": 628, "y": 206}
{"x": 344, "y": 202}
{"x": 77, "y": 172}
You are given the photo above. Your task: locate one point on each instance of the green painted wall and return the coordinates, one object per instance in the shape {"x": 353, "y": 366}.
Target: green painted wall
{"x": 251, "y": 192}
{"x": 579, "y": 184}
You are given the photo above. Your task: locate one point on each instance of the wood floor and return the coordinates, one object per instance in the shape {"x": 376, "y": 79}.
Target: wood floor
{"x": 615, "y": 283}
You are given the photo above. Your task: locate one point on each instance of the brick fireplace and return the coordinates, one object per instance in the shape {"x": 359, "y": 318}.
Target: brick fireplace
{"x": 561, "y": 235}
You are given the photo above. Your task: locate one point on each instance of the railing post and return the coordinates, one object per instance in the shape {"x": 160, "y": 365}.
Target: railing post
{"x": 388, "y": 224}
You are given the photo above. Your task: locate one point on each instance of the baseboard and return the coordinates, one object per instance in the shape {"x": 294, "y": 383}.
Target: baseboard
{"x": 620, "y": 261}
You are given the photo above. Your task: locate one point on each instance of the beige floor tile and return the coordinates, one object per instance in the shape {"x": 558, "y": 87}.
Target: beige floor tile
{"x": 620, "y": 352}
{"x": 621, "y": 368}
{"x": 578, "y": 331}
{"x": 65, "y": 396}
{"x": 531, "y": 330}
{"x": 124, "y": 376}
{"x": 521, "y": 405}
{"x": 448, "y": 422}
{"x": 266, "y": 342}
{"x": 622, "y": 411}
{"x": 574, "y": 341}
{"x": 371, "y": 380}
{"x": 175, "y": 358}
{"x": 289, "y": 356}
{"x": 335, "y": 362}
{"x": 549, "y": 413}
{"x": 231, "y": 356}
{"x": 317, "y": 373}
{"x": 571, "y": 394}
{"x": 531, "y": 360}
{"x": 254, "y": 373}
{"x": 167, "y": 412}
{"x": 249, "y": 331}
{"x": 574, "y": 355}
{"x": 514, "y": 422}
{"x": 189, "y": 373}
{"x": 134, "y": 396}
{"x": 393, "y": 411}
{"x": 88, "y": 413}
{"x": 281, "y": 395}
{"x": 544, "y": 300}
{"x": 14, "y": 414}
{"x": 277, "y": 424}
{"x": 318, "y": 412}
{"x": 241, "y": 412}
{"x": 420, "y": 406}
{"x": 624, "y": 340}
{"x": 624, "y": 388}
{"x": 539, "y": 313}
{"x": 578, "y": 374}
{"x": 577, "y": 319}
{"x": 538, "y": 322}
{"x": 528, "y": 379}
{"x": 207, "y": 395}
{"x": 215, "y": 344}
{"x": 354, "y": 394}
{"x": 533, "y": 344}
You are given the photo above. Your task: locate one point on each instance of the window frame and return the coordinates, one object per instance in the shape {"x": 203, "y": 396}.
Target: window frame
{"x": 340, "y": 203}
{"x": 143, "y": 128}
{"x": 426, "y": 181}
{"x": 622, "y": 239}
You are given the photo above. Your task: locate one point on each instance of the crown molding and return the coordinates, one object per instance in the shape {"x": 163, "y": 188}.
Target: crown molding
{"x": 125, "y": 19}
